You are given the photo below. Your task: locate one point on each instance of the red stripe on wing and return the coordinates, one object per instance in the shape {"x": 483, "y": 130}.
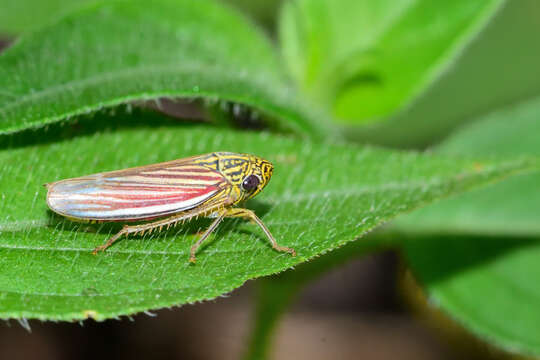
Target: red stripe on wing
{"x": 180, "y": 176}
{"x": 130, "y": 194}
{"x": 144, "y": 201}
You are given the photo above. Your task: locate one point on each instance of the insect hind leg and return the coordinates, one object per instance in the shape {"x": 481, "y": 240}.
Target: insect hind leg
{"x": 125, "y": 230}
{"x": 142, "y": 228}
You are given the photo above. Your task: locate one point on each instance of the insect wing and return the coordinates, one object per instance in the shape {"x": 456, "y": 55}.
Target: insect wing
{"x": 136, "y": 194}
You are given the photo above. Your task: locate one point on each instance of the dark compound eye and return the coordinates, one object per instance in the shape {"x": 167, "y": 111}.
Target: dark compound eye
{"x": 250, "y": 183}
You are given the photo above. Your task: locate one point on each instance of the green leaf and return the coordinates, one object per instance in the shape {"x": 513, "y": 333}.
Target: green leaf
{"x": 321, "y": 197}
{"x": 114, "y": 52}
{"x": 493, "y": 72}
{"x": 488, "y": 284}
{"x": 263, "y": 11}
{"x": 367, "y": 59}
{"x": 25, "y": 15}
{"x": 510, "y": 207}
{"x": 484, "y": 271}
{"x": 22, "y": 15}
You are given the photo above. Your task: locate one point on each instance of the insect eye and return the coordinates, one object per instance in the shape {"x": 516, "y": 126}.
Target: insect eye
{"x": 250, "y": 183}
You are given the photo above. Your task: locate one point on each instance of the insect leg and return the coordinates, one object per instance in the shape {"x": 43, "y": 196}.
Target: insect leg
{"x": 141, "y": 228}
{"x": 125, "y": 230}
{"x": 248, "y": 214}
{"x": 207, "y": 233}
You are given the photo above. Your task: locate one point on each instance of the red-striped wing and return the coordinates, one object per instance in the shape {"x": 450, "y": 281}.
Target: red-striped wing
{"x": 136, "y": 194}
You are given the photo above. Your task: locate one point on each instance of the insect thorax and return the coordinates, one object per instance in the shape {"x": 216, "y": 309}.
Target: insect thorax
{"x": 235, "y": 168}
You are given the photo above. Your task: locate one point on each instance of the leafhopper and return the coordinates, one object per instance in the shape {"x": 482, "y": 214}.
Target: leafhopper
{"x": 164, "y": 194}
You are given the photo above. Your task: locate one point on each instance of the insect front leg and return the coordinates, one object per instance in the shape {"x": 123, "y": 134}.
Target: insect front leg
{"x": 248, "y": 214}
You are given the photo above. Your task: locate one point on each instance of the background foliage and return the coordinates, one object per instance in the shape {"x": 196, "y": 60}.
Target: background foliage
{"x": 340, "y": 75}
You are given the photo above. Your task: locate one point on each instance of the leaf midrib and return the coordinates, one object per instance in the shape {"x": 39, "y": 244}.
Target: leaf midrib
{"x": 303, "y": 197}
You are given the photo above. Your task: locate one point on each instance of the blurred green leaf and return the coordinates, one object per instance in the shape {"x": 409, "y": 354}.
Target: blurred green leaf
{"x": 493, "y": 72}
{"x": 263, "y": 11}
{"x": 25, "y": 15}
{"x": 321, "y": 197}
{"x": 477, "y": 254}
{"x": 511, "y": 207}
{"x": 487, "y": 284}
{"x": 118, "y": 51}
{"x": 366, "y": 59}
